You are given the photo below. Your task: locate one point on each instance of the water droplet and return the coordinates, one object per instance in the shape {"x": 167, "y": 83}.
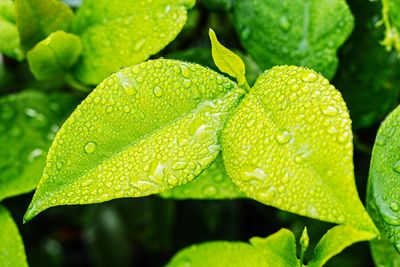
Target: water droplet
{"x": 245, "y": 33}
{"x": 59, "y": 165}
{"x": 396, "y": 167}
{"x": 394, "y": 206}
{"x": 284, "y": 23}
{"x": 87, "y": 182}
{"x": 109, "y": 109}
{"x": 179, "y": 165}
{"x": 36, "y": 153}
{"x": 173, "y": 180}
{"x": 300, "y": 157}
{"x": 283, "y": 137}
{"x": 380, "y": 141}
{"x": 329, "y": 110}
{"x": 89, "y": 147}
{"x": 185, "y": 71}
{"x": 267, "y": 195}
{"x": 128, "y": 89}
{"x": 390, "y": 218}
{"x": 127, "y": 109}
{"x": 397, "y": 246}
{"x": 210, "y": 190}
{"x": 156, "y": 170}
{"x": 309, "y": 77}
{"x": 157, "y": 91}
{"x": 157, "y": 64}
{"x": 343, "y": 137}
{"x": 250, "y": 172}
{"x": 199, "y": 129}
{"x": 139, "y": 44}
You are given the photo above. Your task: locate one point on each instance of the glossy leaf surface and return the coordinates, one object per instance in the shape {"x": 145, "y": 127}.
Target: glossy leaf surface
{"x": 298, "y": 32}
{"x": 28, "y": 123}
{"x": 278, "y": 250}
{"x": 121, "y": 33}
{"x": 36, "y": 19}
{"x": 289, "y": 145}
{"x": 383, "y": 198}
{"x": 143, "y": 130}
{"x": 12, "y": 252}
{"x": 212, "y": 183}
{"x": 54, "y": 55}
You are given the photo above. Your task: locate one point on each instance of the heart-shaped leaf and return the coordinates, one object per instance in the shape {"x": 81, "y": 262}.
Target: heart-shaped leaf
{"x": 36, "y": 19}
{"x": 289, "y": 145}
{"x": 143, "y": 130}
{"x": 298, "y": 32}
{"x": 120, "y": 33}
{"x": 28, "y": 123}
{"x": 212, "y": 183}
{"x": 383, "y": 197}
{"x": 12, "y": 252}
{"x": 54, "y": 55}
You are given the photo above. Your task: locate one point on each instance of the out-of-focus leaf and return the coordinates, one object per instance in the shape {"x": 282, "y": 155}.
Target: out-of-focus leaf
{"x": 36, "y": 19}
{"x": 55, "y": 55}
{"x": 212, "y": 183}
{"x": 28, "y": 123}
{"x": 12, "y": 252}
{"x": 9, "y": 38}
{"x": 391, "y": 21}
{"x": 384, "y": 254}
{"x": 120, "y": 33}
{"x": 218, "y": 5}
{"x": 298, "y": 32}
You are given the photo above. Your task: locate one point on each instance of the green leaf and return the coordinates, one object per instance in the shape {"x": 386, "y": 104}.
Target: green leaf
{"x": 9, "y": 40}
{"x": 335, "y": 241}
{"x": 298, "y": 32}
{"x": 227, "y": 61}
{"x": 384, "y": 254}
{"x": 36, "y": 19}
{"x": 289, "y": 145}
{"x": 212, "y": 183}
{"x": 28, "y": 122}
{"x": 55, "y": 55}
{"x": 120, "y": 33}
{"x": 143, "y": 130}
{"x": 7, "y": 10}
{"x": 383, "y": 199}
{"x": 12, "y": 252}
{"x": 278, "y": 250}
{"x": 391, "y": 21}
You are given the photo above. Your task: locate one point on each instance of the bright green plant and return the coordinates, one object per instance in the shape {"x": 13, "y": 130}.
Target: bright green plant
{"x": 175, "y": 126}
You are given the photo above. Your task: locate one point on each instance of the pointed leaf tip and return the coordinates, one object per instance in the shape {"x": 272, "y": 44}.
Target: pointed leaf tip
{"x": 227, "y": 61}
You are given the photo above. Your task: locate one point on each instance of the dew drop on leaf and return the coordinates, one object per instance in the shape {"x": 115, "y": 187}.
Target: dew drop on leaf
{"x": 284, "y": 23}
{"x": 329, "y": 111}
{"x": 89, "y": 147}
{"x": 283, "y": 137}
{"x": 157, "y": 91}
{"x": 309, "y": 77}
{"x": 210, "y": 190}
{"x": 394, "y": 206}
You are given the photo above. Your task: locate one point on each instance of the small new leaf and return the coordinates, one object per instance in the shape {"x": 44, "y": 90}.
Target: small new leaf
{"x": 55, "y": 55}
{"x": 227, "y": 61}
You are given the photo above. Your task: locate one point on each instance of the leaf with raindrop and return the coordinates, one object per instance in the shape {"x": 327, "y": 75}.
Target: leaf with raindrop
{"x": 383, "y": 194}
{"x": 212, "y": 183}
{"x": 289, "y": 145}
{"x": 278, "y": 250}
{"x": 36, "y": 19}
{"x": 305, "y": 33}
{"x": 9, "y": 38}
{"x": 28, "y": 123}
{"x": 12, "y": 252}
{"x": 120, "y": 33}
{"x": 55, "y": 55}
{"x": 383, "y": 253}
{"x": 145, "y": 129}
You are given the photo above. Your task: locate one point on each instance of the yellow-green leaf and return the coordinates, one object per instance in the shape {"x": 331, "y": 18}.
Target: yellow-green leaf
{"x": 143, "y": 130}
{"x": 335, "y": 241}
{"x": 278, "y": 250}
{"x": 36, "y": 19}
{"x": 55, "y": 55}
{"x": 227, "y": 61}
{"x": 12, "y": 252}
{"x": 212, "y": 183}
{"x": 9, "y": 38}
{"x": 120, "y": 33}
{"x": 289, "y": 145}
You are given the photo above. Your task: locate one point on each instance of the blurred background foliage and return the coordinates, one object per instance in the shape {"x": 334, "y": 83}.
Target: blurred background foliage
{"x": 148, "y": 231}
